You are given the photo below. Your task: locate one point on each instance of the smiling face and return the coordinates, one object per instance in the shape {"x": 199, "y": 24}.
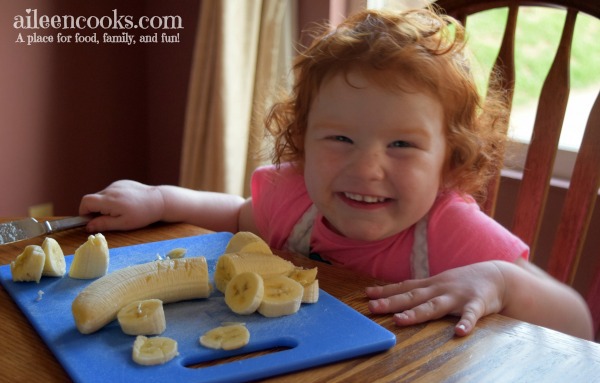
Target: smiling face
{"x": 373, "y": 156}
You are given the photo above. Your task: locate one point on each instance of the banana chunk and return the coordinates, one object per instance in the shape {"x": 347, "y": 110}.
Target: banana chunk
{"x": 29, "y": 265}
{"x": 228, "y": 337}
{"x": 266, "y": 265}
{"x": 308, "y": 279}
{"x": 54, "y": 265}
{"x": 283, "y": 296}
{"x": 169, "y": 280}
{"x": 244, "y": 293}
{"x": 177, "y": 253}
{"x": 145, "y": 317}
{"x": 90, "y": 259}
{"x": 152, "y": 351}
{"x": 247, "y": 242}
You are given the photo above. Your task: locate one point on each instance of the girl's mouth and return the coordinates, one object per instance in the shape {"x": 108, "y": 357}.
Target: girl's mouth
{"x": 368, "y": 199}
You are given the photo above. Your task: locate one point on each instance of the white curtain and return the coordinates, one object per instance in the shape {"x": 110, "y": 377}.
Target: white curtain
{"x": 242, "y": 54}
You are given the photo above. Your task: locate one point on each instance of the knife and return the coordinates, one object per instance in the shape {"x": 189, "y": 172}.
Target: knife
{"x": 30, "y": 228}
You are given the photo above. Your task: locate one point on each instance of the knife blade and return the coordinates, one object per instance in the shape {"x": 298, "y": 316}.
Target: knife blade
{"x": 30, "y": 228}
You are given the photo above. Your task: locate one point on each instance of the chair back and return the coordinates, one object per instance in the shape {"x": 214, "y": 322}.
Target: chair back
{"x": 584, "y": 184}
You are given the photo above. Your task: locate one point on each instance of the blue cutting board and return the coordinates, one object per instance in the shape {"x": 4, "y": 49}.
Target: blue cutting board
{"x": 320, "y": 333}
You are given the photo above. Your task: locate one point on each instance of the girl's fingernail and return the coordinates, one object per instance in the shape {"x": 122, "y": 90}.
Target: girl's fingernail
{"x": 462, "y": 327}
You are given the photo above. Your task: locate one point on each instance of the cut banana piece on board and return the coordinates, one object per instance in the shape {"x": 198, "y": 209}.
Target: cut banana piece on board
{"x": 54, "y": 265}
{"x": 228, "y": 337}
{"x": 145, "y": 317}
{"x": 177, "y": 253}
{"x": 170, "y": 280}
{"x": 244, "y": 293}
{"x": 152, "y": 351}
{"x": 283, "y": 296}
{"x": 247, "y": 242}
{"x": 29, "y": 265}
{"x": 90, "y": 259}
{"x": 308, "y": 279}
{"x": 266, "y": 265}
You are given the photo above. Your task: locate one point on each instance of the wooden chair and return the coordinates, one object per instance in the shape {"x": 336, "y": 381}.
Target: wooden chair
{"x": 585, "y": 180}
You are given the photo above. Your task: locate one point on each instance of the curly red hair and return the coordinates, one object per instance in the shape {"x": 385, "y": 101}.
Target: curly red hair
{"x": 423, "y": 46}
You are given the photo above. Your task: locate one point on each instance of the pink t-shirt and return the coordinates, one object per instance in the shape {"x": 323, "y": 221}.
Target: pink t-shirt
{"x": 458, "y": 233}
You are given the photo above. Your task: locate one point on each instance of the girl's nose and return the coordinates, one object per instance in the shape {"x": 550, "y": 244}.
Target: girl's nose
{"x": 367, "y": 164}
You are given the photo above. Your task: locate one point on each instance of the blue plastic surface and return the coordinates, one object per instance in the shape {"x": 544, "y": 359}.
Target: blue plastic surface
{"x": 319, "y": 333}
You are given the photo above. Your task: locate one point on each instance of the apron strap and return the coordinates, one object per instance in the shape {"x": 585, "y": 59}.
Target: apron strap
{"x": 299, "y": 239}
{"x": 419, "y": 260}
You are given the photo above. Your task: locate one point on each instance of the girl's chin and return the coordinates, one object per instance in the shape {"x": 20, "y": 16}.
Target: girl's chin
{"x": 357, "y": 233}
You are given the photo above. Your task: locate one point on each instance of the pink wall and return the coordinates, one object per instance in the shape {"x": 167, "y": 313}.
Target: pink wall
{"x": 75, "y": 117}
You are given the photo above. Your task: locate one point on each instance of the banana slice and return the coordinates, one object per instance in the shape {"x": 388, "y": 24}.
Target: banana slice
{"x": 28, "y": 265}
{"x": 244, "y": 293}
{"x": 283, "y": 296}
{"x": 177, "y": 253}
{"x": 90, "y": 259}
{"x": 247, "y": 242}
{"x": 151, "y": 351}
{"x": 308, "y": 279}
{"x": 54, "y": 265}
{"x": 266, "y": 265}
{"x": 144, "y": 317}
{"x": 227, "y": 337}
{"x": 311, "y": 292}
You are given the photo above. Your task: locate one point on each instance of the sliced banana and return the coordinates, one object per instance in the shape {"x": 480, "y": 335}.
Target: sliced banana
{"x": 228, "y": 337}
{"x": 90, "y": 259}
{"x": 29, "y": 265}
{"x": 266, "y": 265}
{"x": 283, "y": 296}
{"x": 54, "y": 265}
{"x": 244, "y": 293}
{"x": 143, "y": 317}
{"x": 308, "y": 279}
{"x": 311, "y": 292}
{"x": 151, "y": 351}
{"x": 176, "y": 253}
{"x": 247, "y": 242}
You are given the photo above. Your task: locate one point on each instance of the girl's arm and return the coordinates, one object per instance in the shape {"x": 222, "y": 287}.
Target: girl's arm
{"x": 519, "y": 290}
{"x": 126, "y": 205}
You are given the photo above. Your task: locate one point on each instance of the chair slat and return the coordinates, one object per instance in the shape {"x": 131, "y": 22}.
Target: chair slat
{"x": 505, "y": 65}
{"x": 544, "y": 141}
{"x": 579, "y": 203}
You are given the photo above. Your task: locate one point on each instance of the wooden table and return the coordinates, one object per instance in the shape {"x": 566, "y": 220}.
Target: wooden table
{"x": 499, "y": 350}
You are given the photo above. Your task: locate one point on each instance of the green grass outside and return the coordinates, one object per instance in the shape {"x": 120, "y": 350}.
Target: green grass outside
{"x": 537, "y": 37}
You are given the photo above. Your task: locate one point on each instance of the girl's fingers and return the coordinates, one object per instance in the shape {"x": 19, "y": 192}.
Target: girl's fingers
{"x": 376, "y": 292}
{"x": 400, "y": 302}
{"x": 434, "y": 308}
{"x": 471, "y": 313}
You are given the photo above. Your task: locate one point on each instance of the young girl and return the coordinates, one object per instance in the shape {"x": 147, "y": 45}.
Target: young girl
{"x": 377, "y": 153}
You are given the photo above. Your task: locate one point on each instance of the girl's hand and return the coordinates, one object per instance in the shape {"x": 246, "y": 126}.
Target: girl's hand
{"x": 124, "y": 205}
{"x": 470, "y": 292}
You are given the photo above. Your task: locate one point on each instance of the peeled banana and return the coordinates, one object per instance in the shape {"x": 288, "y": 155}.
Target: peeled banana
{"x": 244, "y": 293}
{"x": 266, "y": 265}
{"x": 282, "y": 296}
{"x": 29, "y": 265}
{"x": 227, "y": 337}
{"x": 54, "y": 265}
{"x": 151, "y": 351}
{"x": 145, "y": 317}
{"x": 169, "y": 280}
{"x": 90, "y": 259}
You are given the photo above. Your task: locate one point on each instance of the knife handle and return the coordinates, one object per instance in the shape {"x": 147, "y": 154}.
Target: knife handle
{"x": 67, "y": 223}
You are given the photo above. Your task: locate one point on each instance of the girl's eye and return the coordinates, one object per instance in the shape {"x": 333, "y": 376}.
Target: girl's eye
{"x": 401, "y": 144}
{"x": 341, "y": 139}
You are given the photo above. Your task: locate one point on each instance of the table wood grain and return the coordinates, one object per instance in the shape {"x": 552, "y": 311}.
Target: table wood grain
{"x": 499, "y": 350}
